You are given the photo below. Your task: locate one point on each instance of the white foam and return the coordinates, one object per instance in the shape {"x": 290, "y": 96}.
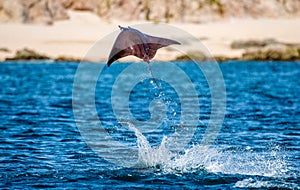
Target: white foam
{"x": 254, "y": 183}
{"x": 201, "y": 158}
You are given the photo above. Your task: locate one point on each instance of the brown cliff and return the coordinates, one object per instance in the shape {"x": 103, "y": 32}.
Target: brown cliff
{"x": 190, "y": 11}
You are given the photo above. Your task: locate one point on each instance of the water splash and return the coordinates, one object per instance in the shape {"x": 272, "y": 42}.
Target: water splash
{"x": 201, "y": 158}
{"x": 148, "y": 156}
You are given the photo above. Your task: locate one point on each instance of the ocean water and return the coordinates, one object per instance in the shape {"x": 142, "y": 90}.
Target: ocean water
{"x": 52, "y": 128}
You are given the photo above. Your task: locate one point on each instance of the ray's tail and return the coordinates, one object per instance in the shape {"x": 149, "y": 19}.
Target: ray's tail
{"x": 153, "y": 78}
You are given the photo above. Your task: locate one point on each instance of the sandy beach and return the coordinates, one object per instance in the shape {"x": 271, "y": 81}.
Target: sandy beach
{"x": 74, "y": 37}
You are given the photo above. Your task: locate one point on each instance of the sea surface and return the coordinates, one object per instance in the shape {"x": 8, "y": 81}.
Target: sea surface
{"x": 59, "y": 129}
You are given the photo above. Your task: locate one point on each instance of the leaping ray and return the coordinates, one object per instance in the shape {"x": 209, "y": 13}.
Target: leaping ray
{"x": 133, "y": 42}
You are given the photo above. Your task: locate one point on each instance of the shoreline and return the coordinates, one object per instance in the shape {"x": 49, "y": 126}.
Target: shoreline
{"x": 50, "y": 61}
{"x": 71, "y": 39}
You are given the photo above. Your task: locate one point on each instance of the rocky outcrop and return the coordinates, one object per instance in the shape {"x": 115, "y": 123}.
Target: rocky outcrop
{"x": 268, "y": 49}
{"x": 246, "y": 44}
{"x": 193, "y": 11}
{"x": 28, "y": 54}
{"x": 277, "y": 52}
{"x": 64, "y": 58}
{"x": 32, "y": 11}
{"x": 4, "y": 49}
{"x": 254, "y": 50}
{"x": 192, "y": 55}
{"x": 261, "y": 8}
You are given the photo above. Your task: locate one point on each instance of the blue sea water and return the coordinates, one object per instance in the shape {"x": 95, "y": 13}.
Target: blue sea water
{"x": 41, "y": 146}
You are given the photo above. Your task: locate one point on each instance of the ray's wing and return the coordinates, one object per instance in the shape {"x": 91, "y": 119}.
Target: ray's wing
{"x": 127, "y": 43}
{"x": 117, "y": 54}
{"x": 157, "y": 42}
{"x": 154, "y": 43}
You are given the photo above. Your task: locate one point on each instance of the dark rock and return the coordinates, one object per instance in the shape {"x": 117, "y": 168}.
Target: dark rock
{"x": 4, "y": 49}
{"x": 223, "y": 58}
{"x": 268, "y": 49}
{"x": 64, "y": 58}
{"x": 252, "y": 43}
{"x": 27, "y": 54}
{"x": 273, "y": 52}
{"x": 192, "y": 55}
